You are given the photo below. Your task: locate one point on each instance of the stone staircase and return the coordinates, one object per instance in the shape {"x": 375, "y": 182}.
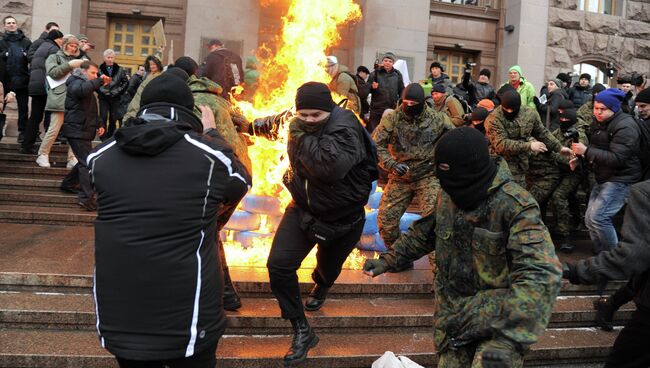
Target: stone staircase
{"x": 47, "y": 312}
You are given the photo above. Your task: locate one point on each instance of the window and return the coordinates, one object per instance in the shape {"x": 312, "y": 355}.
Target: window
{"x": 132, "y": 39}
{"x": 454, "y": 63}
{"x": 611, "y": 7}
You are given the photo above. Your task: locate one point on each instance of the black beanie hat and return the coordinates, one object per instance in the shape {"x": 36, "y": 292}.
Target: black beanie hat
{"x": 187, "y": 64}
{"x": 436, "y": 64}
{"x": 180, "y": 73}
{"x": 564, "y": 77}
{"x": 485, "y": 72}
{"x": 505, "y": 88}
{"x": 568, "y": 117}
{"x": 362, "y": 68}
{"x": 464, "y": 166}
{"x": 167, "y": 88}
{"x": 54, "y": 34}
{"x": 511, "y": 100}
{"x": 314, "y": 95}
{"x": 565, "y": 104}
{"x": 586, "y": 76}
{"x": 643, "y": 96}
{"x": 413, "y": 92}
{"x": 597, "y": 89}
{"x": 438, "y": 88}
{"x": 479, "y": 114}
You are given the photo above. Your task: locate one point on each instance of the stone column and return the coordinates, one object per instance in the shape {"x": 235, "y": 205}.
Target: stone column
{"x": 66, "y": 13}
{"x": 526, "y": 45}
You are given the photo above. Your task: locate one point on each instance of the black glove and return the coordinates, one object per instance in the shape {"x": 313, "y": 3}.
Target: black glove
{"x": 570, "y": 273}
{"x": 400, "y": 169}
{"x": 376, "y": 266}
{"x": 536, "y": 101}
{"x": 263, "y": 126}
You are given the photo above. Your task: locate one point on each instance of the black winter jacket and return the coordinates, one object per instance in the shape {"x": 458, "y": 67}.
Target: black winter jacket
{"x": 478, "y": 91}
{"x": 644, "y": 147}
{"x": 549, "y": 110}
{"x": 118, "y": 85}
{"x": 613, "y": 149}
{"x": 81, "y": 116}
{"x": 631, "y": 257}
{"x": 328, "y": 175}
{"x": 389, "y": 91}
{"x": 35, "y": 45}
{"x": 580, "y": 95}
{"x": 158, "y": 281}
{"x": 37, "y": 71}
{"x": 13, "y": 49}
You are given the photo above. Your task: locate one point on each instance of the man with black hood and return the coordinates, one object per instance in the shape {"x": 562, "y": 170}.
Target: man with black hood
{"x": 498, "y": 275}
{"x": 405, "y": 140}
{"x": 332, "y": 166}
{"x": 158, "y": 282}
{"x": 515, "y": 132}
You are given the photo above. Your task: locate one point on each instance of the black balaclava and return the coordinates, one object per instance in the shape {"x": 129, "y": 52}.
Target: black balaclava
{"x": 567, "y": 118}
{"x": 596, "y": 90}
{"x": 464, "y": 167}
{"x": 511, "y": 100}
{"x": 413, "y": 92}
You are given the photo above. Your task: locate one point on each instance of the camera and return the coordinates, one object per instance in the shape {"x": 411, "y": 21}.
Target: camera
{"x": 469, "y": 65}
{"x": 572, "y": 134}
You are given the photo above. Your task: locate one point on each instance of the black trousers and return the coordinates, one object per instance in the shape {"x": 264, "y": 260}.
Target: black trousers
{"x": 22, "y": 99}
{"x": 632, "y": 346}
{"x": 31, "y": 129}
{"x": 375, "y": 118}
{"x": 80, "y": 173}
{"x": 205, "y": 359}
{"x": 290, "y": 246}
{"x": 108, "y": 114}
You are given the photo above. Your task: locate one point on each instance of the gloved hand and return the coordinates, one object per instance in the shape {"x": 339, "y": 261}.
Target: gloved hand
{"x": 570, "y": 273}
{"x": 536, "y": 101}
{"x": 264, "y": 125}
{"x": 400, "y": 169}
{"x": 374, "y": 267}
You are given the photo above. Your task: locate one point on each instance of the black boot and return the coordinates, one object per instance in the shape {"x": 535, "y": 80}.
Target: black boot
{"x": 494, "y": 359}
{"x": 566, "y": 245}
{"x": 231, "y": 299}
{"x": 304, "y": 339}
{"x": 604, "y": 314}
{"x": 316, "y": 298}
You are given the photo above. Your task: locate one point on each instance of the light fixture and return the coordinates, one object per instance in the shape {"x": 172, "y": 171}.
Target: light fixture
{"x": 459, "y": 45}
{"x": 509, "y": 28}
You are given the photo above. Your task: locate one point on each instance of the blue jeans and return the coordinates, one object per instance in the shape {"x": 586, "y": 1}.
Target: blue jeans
{"x": 605, "y": 201}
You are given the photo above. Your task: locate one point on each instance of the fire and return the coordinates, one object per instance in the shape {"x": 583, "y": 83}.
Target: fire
{"x": 309, "y": 29}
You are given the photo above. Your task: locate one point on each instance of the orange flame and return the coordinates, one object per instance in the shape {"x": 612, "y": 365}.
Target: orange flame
{"x": 309, "y": 29}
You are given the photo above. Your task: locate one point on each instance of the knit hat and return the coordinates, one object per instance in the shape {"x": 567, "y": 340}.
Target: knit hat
{"x": 486, "y": 104}
{"x": 362, "y": 68}
{"x": 180, "y": 73}
{"x": 516, "y": 68}
{"x": 597, "y": 88}
{"x": 505, "y": 88}
{"x": 167, "y": 88}
{"x": 643, "y": 96}
{"x": 479, "y": 114}
{"x": 389, "y": 55}
{"x": 82, "y": 37}
{"x": 187, "y": 64}
{"x": 331, "y": 60}
{"x": 436, "y": 64}
{"x": 54, "y": 34}
{"x": 314, "y": 95}
{"x": 511, "y": 100}
{"x": 564, "y": 77}
{"x": 586, "y": 76}
{"x": 565, "y": 104}
{"x": 464, "y": 166}
{"x": 438, "y": 88}
{"x": 413, "y": 92}
{"x": 557, "y": 81}
{"x": 612, "y": 98}
{"x": 485, "y": 72}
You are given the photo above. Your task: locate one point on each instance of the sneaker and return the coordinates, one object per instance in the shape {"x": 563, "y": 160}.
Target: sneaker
{"x": 71, "y": 163}
{"x": 43, "y": 161}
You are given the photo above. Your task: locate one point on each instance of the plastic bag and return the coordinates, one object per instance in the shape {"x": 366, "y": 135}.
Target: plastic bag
{"x": 389, "y": 360}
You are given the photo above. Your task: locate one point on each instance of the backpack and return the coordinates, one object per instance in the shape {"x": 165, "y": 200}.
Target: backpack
{"x": 463, "y": 97}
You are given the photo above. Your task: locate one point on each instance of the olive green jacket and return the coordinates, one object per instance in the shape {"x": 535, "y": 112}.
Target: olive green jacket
{"x": 57, "y": 67}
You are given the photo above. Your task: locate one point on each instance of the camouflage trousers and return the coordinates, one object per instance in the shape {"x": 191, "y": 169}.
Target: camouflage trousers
{"x": 471, "y": 355}
{"x": 560, "y": 200}
{"x": 396, "y": 199}
{"x": 542, "y": 185}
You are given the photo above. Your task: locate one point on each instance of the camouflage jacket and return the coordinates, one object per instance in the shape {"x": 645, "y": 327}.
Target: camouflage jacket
{"x": 206, "y": 92}
{"x": 511, "y": 139}
{"x": 400, "y": 140}
{"x": 585, "y": 115}
{"x": 498, "y": 274}
{"x": 549, "y": 163}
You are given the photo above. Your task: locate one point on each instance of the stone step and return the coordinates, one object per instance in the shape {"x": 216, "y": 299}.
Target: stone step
{"x": 31, "y": 170}
{"x": 46, "y": 215}
{"x": 10, "y": 146}
{"x": 28, "y": 184}
{"x": 38, "y": 198}
{"x": 81, "y": 349}
{"x": 262, "y": 315}
{"x": 56, "y": 158}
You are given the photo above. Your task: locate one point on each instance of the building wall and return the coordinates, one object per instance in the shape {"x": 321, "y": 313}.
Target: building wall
{"x": 22, "y": 11}
{"x": 66, "y": 13}
{"x": 576, "y": 36}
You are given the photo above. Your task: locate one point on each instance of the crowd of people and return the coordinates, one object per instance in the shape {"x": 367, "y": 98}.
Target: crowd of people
{"x": 484, "y": 164}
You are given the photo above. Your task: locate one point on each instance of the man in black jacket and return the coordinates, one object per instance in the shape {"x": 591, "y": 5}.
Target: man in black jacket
{"x": 630, "y": 259}
{"x": 480, "y": 89}
{"x": 581, "y": 92}
{"x": 81, "y": 126}
{"x": 13, "y": 49}
{"x": 111, "y": 94}
{"x": 37, "y": 42}
{"x": 386, "y": 86}
{"x": 613, "y": 152}
{"x": 329, "y": 178}
{"x": 158, "y": 285}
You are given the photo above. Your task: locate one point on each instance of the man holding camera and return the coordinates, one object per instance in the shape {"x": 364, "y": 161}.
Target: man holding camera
{"x": 613, "y": 152}
{"x": 480, "y": 89}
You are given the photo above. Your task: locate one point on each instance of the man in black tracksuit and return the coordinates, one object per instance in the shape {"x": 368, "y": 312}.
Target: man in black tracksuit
{"x": 330, "y": 177}
{"x": 161, "y": 186}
